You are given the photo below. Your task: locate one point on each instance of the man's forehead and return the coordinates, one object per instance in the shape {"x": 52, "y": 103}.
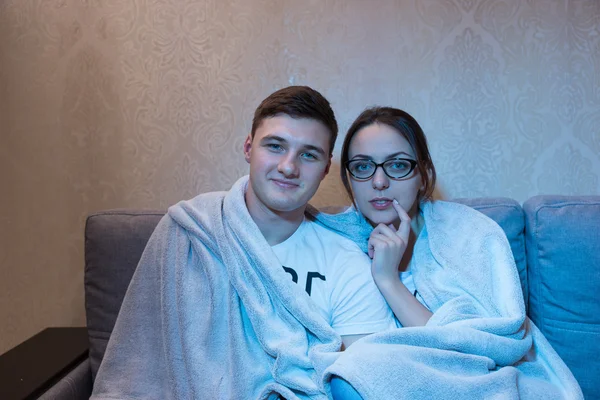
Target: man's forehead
{"x": 298, "y": 131}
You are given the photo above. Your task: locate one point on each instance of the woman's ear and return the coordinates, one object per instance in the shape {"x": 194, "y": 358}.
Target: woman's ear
{"x": 421, "y": 190}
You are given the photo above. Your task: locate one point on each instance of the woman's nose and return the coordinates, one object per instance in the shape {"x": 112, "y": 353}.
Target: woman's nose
{"x": 380, "y": 179}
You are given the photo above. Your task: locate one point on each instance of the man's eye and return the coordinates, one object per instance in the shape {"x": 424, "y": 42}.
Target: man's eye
{"x": 274, "y": 147}
{"x": 309, "y": 156}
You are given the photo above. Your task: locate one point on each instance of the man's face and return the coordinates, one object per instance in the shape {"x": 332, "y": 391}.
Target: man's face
{"x": 288, "y": 159}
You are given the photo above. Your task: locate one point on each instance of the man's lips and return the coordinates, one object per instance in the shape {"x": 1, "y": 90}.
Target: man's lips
{"x": 285, "y": 184}
{"x": 381, "y": 203}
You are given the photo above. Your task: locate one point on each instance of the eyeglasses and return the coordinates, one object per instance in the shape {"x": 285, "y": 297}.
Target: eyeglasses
{"x": 395, "y": 168}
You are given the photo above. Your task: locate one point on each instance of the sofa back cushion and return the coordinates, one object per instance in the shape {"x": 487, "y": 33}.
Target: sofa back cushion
{"x": 114, "y": 242}
{"x": 563, "y": 257}
{"x": 509, "y": 215}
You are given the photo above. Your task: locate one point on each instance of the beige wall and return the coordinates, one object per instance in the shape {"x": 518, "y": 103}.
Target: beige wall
{"x": 141, "y": 103}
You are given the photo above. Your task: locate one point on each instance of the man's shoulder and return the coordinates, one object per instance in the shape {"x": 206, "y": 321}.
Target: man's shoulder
{"x": 202, "y": 198}
{"x": 209, "y": 202}
{"x": 198, "y": 216}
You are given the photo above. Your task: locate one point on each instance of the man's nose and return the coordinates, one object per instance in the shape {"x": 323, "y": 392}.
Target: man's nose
{"x": 380, "y": 179}
{"x": 287, "y": 166}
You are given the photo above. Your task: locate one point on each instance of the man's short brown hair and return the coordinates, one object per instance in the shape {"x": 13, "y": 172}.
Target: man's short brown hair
{"x": 298, "y": 102}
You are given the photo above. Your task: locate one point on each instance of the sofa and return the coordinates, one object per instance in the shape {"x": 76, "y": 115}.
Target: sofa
{"x": 555, "y": 241}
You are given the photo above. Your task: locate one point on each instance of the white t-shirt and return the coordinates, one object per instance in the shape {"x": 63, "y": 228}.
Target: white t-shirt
{"x": 337, "y": 276}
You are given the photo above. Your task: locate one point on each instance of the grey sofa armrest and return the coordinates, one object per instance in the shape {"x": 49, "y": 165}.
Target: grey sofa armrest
{"x": 76, "y": 385}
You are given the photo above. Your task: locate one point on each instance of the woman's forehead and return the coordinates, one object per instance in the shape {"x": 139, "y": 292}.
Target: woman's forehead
{"x": 379, "y": 140}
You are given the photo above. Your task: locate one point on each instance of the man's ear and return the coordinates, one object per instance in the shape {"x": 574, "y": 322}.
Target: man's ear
{"x": 248, "y": 148}
{"x": 327, "y": 168}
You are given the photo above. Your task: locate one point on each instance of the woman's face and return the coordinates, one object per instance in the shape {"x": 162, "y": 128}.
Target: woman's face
{"x": 374, "y": 196}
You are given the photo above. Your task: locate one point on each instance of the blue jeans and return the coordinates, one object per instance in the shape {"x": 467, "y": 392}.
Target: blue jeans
{"x": 342, "y": 390}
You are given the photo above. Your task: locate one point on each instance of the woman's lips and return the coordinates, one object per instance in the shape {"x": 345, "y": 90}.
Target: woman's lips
{"x": 381, "y": 203}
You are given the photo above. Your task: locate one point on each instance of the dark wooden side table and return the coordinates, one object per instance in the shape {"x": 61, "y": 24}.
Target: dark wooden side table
{"x": 29, "y": 369}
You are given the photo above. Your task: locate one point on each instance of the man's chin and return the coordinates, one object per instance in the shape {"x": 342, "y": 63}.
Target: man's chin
{"x": 287, "y": 206}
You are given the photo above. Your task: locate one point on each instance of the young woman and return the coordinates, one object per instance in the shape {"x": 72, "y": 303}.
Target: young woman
{"x": 387, "y": 173}
{"x": 447, "y": 272}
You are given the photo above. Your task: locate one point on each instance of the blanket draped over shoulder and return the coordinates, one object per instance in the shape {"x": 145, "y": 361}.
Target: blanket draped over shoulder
{"x": 211, "y": 314}
{"x": 479, "y": 343}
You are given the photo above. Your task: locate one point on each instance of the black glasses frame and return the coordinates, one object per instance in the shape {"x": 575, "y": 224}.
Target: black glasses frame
{"x": 412, "y": 163}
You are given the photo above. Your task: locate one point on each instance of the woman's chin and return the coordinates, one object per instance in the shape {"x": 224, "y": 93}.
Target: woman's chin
{"x": 380, "y": 219}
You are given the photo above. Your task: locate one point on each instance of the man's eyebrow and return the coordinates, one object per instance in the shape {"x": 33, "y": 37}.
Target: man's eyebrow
{"x": 273, "y": 137}
{"x": 393, "y": 155}
{"x": 315, "y": 149}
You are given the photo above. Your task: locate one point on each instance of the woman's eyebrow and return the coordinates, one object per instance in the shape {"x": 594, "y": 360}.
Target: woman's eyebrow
{"x": 400, "y": 153}
{"x": 393, "y": 155}
{"x": 362, "y": 156}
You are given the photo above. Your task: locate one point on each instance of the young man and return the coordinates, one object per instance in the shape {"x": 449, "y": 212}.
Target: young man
{"x": 237, "y": 295}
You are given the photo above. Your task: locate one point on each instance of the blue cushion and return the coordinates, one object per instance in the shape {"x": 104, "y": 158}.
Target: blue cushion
{"x": 563, "y": 258}
{"x": 509, "y": 215}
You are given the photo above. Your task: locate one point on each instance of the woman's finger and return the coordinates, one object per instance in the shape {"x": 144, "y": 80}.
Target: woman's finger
{"x": 374, "y": 241}
{"x": 404, "y": 228}
{"x": 385, "y": 230}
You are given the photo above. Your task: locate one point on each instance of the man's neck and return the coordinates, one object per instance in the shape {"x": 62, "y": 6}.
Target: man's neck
{"x": 276, "y": 227}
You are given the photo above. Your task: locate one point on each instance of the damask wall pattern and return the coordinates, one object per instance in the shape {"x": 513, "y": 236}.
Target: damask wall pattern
{"x": 141, "y": 103}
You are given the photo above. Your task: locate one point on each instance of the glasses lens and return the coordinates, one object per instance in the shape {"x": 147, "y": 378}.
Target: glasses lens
{"x": 361, "y": 169}
{"x": 398, "y": 168}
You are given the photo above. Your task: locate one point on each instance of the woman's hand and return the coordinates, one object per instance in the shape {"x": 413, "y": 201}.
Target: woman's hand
{"x": 387, "y": 246}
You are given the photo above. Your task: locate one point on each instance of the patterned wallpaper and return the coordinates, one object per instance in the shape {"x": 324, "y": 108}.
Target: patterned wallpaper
{"x": 140, "y": 103}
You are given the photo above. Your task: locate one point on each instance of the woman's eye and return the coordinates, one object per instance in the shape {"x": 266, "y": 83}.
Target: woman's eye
{"x": 399, "y": 165}
{"x": 361, "y": 167}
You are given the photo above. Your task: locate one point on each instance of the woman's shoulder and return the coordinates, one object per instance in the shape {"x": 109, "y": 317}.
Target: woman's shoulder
{"x": 456, "y": 216}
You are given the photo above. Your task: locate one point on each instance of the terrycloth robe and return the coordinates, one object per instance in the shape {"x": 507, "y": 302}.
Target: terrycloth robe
{"x": 211, "y": 314}
{"x": 479, "y": 343}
